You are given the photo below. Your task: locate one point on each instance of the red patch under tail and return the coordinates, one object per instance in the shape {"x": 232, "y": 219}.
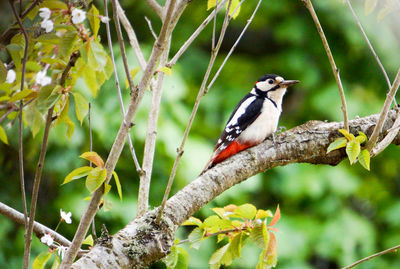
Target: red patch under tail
{"x": 230, "y": 150}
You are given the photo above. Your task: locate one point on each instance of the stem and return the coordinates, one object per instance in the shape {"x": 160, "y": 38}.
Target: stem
{"x": 392, "y": 249}
{"x": 117, "y": 85}
{"x": 382, "y": 116}
{"x": 392, "y": 132}
{"x": 179, "y": 150}
{"x": 115, "y": 152}
{"x": 335, "y": 70}
{"x": 150, "y": 27}
{"x": 156, "y": 7}
{"x": 370, "y": 47}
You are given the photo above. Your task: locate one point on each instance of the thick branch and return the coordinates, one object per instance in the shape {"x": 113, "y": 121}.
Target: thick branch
{"x": 143, "y": 241}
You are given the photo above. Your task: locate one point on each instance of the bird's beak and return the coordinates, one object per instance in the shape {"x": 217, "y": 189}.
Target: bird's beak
{"x": 287, "y": 83}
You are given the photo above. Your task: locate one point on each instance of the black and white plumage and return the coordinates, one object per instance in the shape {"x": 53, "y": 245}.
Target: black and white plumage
{"x": 254, "y": 118}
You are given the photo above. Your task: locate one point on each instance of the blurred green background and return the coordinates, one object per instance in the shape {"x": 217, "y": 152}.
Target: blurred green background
{"x": 331, "y": 216}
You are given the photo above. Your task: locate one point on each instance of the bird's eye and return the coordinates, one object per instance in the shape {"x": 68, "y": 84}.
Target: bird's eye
{"x": 270, "y": 81}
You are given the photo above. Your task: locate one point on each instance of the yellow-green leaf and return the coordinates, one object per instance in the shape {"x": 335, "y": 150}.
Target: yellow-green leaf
{"x": 338, "y": 143}
{"x": 119, "y": 189}
{"x": 166, "y": 70}
{"x": 234, "y": 8}
{"x": 220, "y": 212}
{"x": 54, "y": 4}
{"x": 20, "y": 95}
{"x": 369, "y": 6}
{"x": 134, "y": 71}
{"x": 192, "y": 221}
{"x": 211, "y": 4}
{"x": 34, "y": 119}
{"x": 70, "y": 127}
{"x": 348, "y": 135}
{"x": 195, "y": 237}
{"x": 93, "y": 157}
{"x": 88, "y": 240}
{"x": 95, "y": 178}
{"x": 353, "y": 150}
{"x": 107, "y": 188}
{"x": 247, "y": 211}
{"x": 364, "y": 158}
{"x": 93, "y": 17}
{"x": 3, "y": 136}
{"x": 263, "y": 214}
{"x": 259, "y": 234}
{"x": 221, "y": 256}
{"x": 81, "y": 106}
{"x": 3, "y": 72}
{"x": 56, "y": 262}
{"x": 41, "y": 260}
{"x": 77, "y": 173}
{"x": 361, "y": 137}
{"x": 236, "y": 246}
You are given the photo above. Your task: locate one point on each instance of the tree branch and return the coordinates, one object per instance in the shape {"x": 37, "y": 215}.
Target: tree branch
{"x": 156, "y": 7}
{"x": 143, "y": 241}
{"x": 136, "y": 97}
{"x": 382, "y": 117}
{"x": 335, "y": 70}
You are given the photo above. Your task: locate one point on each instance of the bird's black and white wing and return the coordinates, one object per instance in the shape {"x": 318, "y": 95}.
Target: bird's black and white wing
{"x": 245, "y": 113}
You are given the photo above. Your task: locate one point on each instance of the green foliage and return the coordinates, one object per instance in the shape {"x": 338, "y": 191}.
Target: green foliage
{"x": 234, "y": 7}
{"x": 235, "y": 223}
{"x": 353, "y": 147}
{"x": 41, "y": 260}
{"x": 88, "y": 240}
{"x": 3, "y": 136}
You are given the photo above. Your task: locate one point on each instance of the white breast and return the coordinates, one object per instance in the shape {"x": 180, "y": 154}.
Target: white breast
{"x": 263, "y": 126}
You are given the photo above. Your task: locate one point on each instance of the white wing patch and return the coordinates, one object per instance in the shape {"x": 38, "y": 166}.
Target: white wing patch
{"x": 239, "y": 112}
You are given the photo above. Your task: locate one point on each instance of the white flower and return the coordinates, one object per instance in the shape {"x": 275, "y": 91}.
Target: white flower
{"x": 44, "y": 13}
{"x": 11, "y": 76}
{"x": 66, "y": 216}
{"x": 48, "y": 25}
{"x": 104, "y": 19}
{"x": 78, "y": 16}
{"x": 42, "y": 79}
{"x": 61, "y": 251}
{"x": 47, "y": 239}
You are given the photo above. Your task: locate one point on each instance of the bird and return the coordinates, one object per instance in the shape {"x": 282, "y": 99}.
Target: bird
{"x": 254, "y": 118}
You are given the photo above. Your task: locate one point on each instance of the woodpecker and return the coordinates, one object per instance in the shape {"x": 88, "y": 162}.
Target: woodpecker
{"x": 254, "y": 118}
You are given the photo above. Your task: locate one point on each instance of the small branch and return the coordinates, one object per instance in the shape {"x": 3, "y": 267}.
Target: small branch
{"x": 392, "y": 132}
{"x": 188, "y": 42}
{"x": 131, "y": 36}
{"x": 370, "y": 46}
{"x": 156, "y": 7}
{"x": 116, "y": 149}
{"x": 234, "y": 46}
{"x": 15, "y": 108}
{"x": 382, "y": 116}
{"x": 71, "y": 63}
{"x": 38, "y": 228}
{"x": 392, "y": 249}
{"x": 117, "y": 85}
{"x": 150, "y": 27}
{"x": 335, "y": 70}
{"x": 179, "y": 150}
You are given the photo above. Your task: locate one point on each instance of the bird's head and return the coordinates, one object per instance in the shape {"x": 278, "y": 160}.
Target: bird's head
{"x": 273, "y": 82}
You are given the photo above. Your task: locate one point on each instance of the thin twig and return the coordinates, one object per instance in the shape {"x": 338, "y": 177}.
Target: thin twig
{"x": 131, "y": 36}
{"x": 156, "y": 7}
{"x": 150, "y": 27}
{"x": 27, "y": 247}
{"x": 392, "y": 249}
{"x": 214, "y": 26}
{"x": 335, "y": 70}
{"x": 370, "y": 47}
{"x": 392, "y": 132}
{"x": 117, "y": 85}
{"x": 382, "y": 116}
{"x": 15, "y": 109}
{"x": 233, "y": 47}
{"x": 119, "y": 141}
{"x": 90, "y": 163}
{"x": 179, "y": 150}
{"x": 199, "y": 29}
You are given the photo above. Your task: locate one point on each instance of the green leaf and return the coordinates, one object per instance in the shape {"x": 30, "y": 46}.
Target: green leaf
{"x": 364, "y": 158}
{"x": 67, "y": 43}
{"x": 119, "y": 189}
{"x": 88, "y": 240}
{"x": 3, "y": 136}
{"x": 195, "y": 237}
{"x": 361, "y": 137}
{"x": 56, "y": 262}
{"x": 15, "y": 51}
{"x": 51, "y": 39}
{"x": 107, "y": 188}
{"x": 34, "y": 119}
{"x": 247, "y": 211}
{"x": 338, "y": 143}
{"x": 3, "y": 72}
{"x": 259, "y": 234}
{"x": 94, "y": 21}
{"x": 215, "y": 223}
{"x": 70, "y": 127}
{"x": 234, "y": 5}
{"x": 261, "y": 261}
{"x": 369, "y": 6}
{"x": 211, "y": 4}
{"x": 93, "y": 157}
{"x": 81, "y": 106}
{"x": 236, "y": 246}
{"x": 20, "y": 95}
{"x": 183, "y": 259}
{"x": 77, "y": 173}
{"x": 172, "y": 258}
{"x": 33, "y": 66}
{"x": 95, "y": 178}
{"x": 221, "y": 256}
{"x": 353, "y": 149}
{"x": 166, "y": 70}
{"x": 41, "y": 260}
{"x": 263, "y": 214}
{"x": 192, "y": 221}
{"x": 348, "y": 135}
{"x": 54, "y": 4}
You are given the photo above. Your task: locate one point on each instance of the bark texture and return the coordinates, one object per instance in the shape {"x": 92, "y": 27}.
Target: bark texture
{"x": 142, "y": 241}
